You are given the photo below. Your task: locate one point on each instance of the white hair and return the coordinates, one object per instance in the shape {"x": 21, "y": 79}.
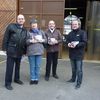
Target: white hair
{"x": 20, "y": 16}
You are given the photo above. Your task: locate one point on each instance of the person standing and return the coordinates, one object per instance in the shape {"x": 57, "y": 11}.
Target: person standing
{"x": 14, "y": 44}
{"x": 76, "y": 41}
{"x": 35, "y": 50}
{"x": 54, "y": 38}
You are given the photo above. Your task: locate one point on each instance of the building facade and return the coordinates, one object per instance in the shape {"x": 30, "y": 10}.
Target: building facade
{"x": 45, "y": 10}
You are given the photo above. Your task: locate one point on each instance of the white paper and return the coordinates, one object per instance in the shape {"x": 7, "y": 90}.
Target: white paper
{"x": 75, "y": 42}
{"x": 52, "y": 39}
{"x": 38, "y": 37}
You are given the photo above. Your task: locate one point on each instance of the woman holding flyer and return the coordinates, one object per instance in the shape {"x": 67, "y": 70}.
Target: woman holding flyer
{"x": 35, "y": 49}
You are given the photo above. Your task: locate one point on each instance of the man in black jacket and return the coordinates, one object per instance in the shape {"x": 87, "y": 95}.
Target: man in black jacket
{"x": 76, "y": 41}
{"x": 14, "y": 42}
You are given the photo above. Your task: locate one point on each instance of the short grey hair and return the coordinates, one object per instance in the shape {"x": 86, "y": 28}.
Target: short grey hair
{"x": 78, "y": 20}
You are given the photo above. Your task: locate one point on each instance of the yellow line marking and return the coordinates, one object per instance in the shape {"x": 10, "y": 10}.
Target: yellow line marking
{"x": 2, "y": 61}
{"x": 5, "y": 61}
{"x": 26, "y": 62}
{"x": 98, "y": 29}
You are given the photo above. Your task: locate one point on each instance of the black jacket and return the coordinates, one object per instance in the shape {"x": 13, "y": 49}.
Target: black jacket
{"x": 78, "y": 51}
{"x": 14, "y": 41}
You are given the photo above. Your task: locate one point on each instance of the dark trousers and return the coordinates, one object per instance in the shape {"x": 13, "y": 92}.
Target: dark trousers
{"x": 11, "y": 62}
{"x": 52, "y": 60}
{"x": 77, "y": 72}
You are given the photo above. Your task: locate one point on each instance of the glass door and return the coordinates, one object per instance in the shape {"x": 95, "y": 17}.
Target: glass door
{"x": 93, "y": 29}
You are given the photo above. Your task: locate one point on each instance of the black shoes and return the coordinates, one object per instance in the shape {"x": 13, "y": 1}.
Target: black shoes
{"x": 71, "y": 81}
{"x": 19, "y": 82}
{"x": 77, "y": 86}
{"x": 55, "y": 76}
{"x": 33, "y": 82}
{"x": 9, "y": 87}
{"x": 46, "y": 78}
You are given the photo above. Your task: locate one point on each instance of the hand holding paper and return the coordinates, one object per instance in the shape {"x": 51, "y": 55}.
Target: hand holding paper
{"x": 53, "y": 41}
{"x": 39, "y": 38}
{"x": 74, "y": 43}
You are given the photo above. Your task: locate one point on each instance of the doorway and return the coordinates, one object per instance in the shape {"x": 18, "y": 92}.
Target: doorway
{"x": 89, "y": 13}
{"x": 77, "y": 8}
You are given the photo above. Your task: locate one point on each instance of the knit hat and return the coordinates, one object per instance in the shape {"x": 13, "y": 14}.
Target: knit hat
{"x": 33, "y": 21}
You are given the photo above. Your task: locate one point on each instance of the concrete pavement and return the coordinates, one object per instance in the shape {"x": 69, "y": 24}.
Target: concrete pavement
{"x": 54, "y": 89}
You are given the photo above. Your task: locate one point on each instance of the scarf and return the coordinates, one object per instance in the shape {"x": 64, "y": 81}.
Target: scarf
{"x": 35, "y": 31}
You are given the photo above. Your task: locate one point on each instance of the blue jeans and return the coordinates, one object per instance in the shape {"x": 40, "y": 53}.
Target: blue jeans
{"x": 77, "y": 72}
{"x": 35, "y": 63}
